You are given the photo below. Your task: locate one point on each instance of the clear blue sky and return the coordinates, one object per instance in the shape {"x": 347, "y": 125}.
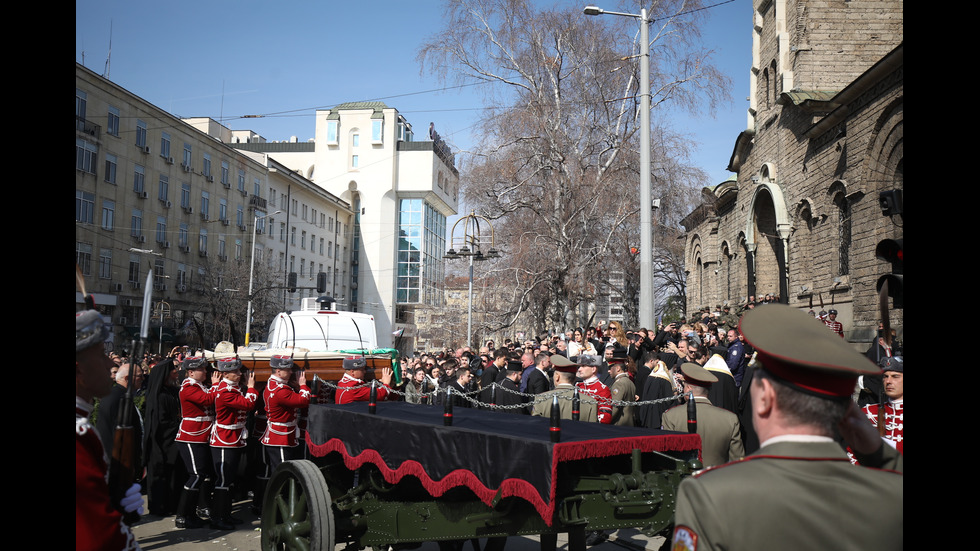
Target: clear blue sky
{"x": 227, "y": 59}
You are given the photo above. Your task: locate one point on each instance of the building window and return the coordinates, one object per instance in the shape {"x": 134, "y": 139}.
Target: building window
{"x": 134, "y": 269}
{"x": 164, "y": 192}
{"x": 238, "y": 249}
{"x": 377, "y": 130}
{"x": 329, "y": 250}
{"x": 140, "y": 134}
{"x": 105, "y": 264}
{"x": 333, "y": 129}
{"x": 187, "y": 156}
{"x": 295, "y": 207}
{"x": 282, "y": 232}
{"x": 843, "y": 234}
{"x": 257, "y": 189}
{"x": 302, "y": 242}
{"x": 241, "y": 181}
{"x": 112, "y": 123}
{"x": 240, "y": 216}
{"x": 221, "y": 246}
{"x": 225, "y": 173}
{"x": 108, "y": 214}
{"x": 355, "y": 140}
{"x": 80, "y": 101}
{"x": 86, "y": 155}
{"x": 305, "y": 212}
{"x": 138, "y": 179}
{"x": 182, "y": 234}
{"x": 83, "y": 257}
{"x": 181, "y": 277}
{"x": 292, "y": 235}
{"x": 185, "y": 195}
{"x": 205, "y": 204}
{"x": 84, "y": 207}
{"x": 136, "y": 223}
{"x": 161, "y": 229}
{"x": 206, "y": 167}
{"x": 202, "y": 244}
{"x": 321, "y": 246}
{"x": 110, "y": 168}
{"x": 355, "y": 161}
{"x": 222, "y": 209}
{"x": 165, "y": 145}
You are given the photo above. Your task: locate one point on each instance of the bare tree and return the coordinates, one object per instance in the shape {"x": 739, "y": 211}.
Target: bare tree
{"x": 223, "y": 287}
{"x": 557, "y": 167}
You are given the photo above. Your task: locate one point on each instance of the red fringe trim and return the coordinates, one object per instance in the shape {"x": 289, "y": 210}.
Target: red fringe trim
{"x": 570, "y": 451}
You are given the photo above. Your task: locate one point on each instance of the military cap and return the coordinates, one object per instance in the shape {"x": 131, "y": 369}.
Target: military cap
{"x": 803, "y": 354}
{"x": 515, "y": 365}
{"x": 619, "y": 355}
{"x": 894, "y": 363}
{"x": 563, "y": 364}
{"x": 229, "y": 364}
{"x": 357, "y": 362}
{"x": 696, "y": 375}
{"x": 194, "y": 362}
{"x": 89, "y": 329}
{"x": 823, "y": 313}
{"x": 589, "y": 360}
{"x": 281, "y": 362}
{"x": 832, "y": 311}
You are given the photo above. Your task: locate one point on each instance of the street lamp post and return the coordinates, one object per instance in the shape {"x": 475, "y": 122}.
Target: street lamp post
{"x": 471, "y": 242}
{"x": 251, "y": 276}
{"x": 646, "y": 217}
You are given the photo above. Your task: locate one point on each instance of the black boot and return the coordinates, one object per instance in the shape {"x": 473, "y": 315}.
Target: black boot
{"x": 220, "y": 506}
{"x": 186, "y": 514}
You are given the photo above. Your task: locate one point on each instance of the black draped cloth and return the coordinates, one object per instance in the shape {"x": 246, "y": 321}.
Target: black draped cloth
{"x": 484, "y": 451}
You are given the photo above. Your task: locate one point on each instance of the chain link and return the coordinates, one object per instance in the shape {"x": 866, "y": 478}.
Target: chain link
{"x": 533, "y": 398}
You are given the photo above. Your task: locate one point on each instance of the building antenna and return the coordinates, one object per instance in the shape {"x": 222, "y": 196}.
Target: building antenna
{"x": 108, "y": 57}
{"x": 221, "y": 110}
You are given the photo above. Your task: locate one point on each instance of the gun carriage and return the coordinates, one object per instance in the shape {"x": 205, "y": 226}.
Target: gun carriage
{"x": 400, "y": 476}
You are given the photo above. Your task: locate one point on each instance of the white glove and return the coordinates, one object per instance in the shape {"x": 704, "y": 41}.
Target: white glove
{"x": 133, "y": 500}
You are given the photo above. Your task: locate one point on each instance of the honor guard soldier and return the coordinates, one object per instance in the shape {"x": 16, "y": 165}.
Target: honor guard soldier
{"x": 588, "y": 367}
{"x": 98, "y": 523}
{"x": 623, "y": 389}
{"x": 833, "y": 324}
{"x": 564, "y": 379}
{"x": 228, "y": 437}
{"x": 351, "y": 387}
{"x": 893, "y": 378}
{"x": 799, "y": 491}
{"x": 197, "y": 420}
{"x": 281, "y": 405}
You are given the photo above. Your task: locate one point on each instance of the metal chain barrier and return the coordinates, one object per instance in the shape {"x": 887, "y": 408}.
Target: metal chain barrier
{"x": 532, "y": 398}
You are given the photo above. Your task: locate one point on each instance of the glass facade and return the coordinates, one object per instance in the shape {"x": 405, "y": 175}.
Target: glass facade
{"x": 421, "y": 244}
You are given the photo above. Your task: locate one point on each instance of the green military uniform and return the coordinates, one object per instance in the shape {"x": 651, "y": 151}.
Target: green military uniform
{"x": 588, "y": 409}
{"x": 623, "y": 390}
{"x": 719, "y": 429}
{"x": 791, "y": 495}
{"x": 799, "y": 491}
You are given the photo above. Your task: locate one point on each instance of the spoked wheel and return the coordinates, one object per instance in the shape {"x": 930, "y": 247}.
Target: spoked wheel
{"x": 296, "y": 511}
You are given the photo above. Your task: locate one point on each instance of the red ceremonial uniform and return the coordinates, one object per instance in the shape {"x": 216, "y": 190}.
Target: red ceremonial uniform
{"x": 603, "y": 397}
{"x": 231, "y": 408}
{"x": 835, "y": 326}
{"x": 197, "y": 412}
{"x": 281, "y": 406}
{"x": 346, "y": 393}
{"x": 98, "y": 525}
{"x": 894, "y": 421}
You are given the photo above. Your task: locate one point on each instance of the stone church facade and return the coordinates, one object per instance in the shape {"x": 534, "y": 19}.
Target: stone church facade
{"x": 800, "y": 218}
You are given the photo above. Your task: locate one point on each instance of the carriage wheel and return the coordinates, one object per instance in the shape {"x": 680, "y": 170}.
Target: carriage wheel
{"x": 296, "y": 511}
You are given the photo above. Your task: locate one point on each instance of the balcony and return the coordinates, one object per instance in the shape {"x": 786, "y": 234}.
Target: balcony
{"x": 257, "y": 202}
{"x": 87, "y": 127}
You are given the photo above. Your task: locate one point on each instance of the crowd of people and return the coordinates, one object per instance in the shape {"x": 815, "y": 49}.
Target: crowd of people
{"x": 198, "y": 422}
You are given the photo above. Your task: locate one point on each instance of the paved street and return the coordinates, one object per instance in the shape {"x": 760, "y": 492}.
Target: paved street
{"x": 159, "y": 533}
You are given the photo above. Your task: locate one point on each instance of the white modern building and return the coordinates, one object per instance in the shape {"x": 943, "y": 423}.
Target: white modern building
{"x": 400, "y": 190}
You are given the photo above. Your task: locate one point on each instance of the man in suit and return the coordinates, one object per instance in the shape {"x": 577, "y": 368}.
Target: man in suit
{"x": 799, "y": 491}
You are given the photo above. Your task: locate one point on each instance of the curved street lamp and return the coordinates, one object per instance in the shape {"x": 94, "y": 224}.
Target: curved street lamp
{"x": 471, "y": 244}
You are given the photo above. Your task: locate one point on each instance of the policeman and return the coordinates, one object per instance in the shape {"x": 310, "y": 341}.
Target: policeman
{"x": 798, "y": 491}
